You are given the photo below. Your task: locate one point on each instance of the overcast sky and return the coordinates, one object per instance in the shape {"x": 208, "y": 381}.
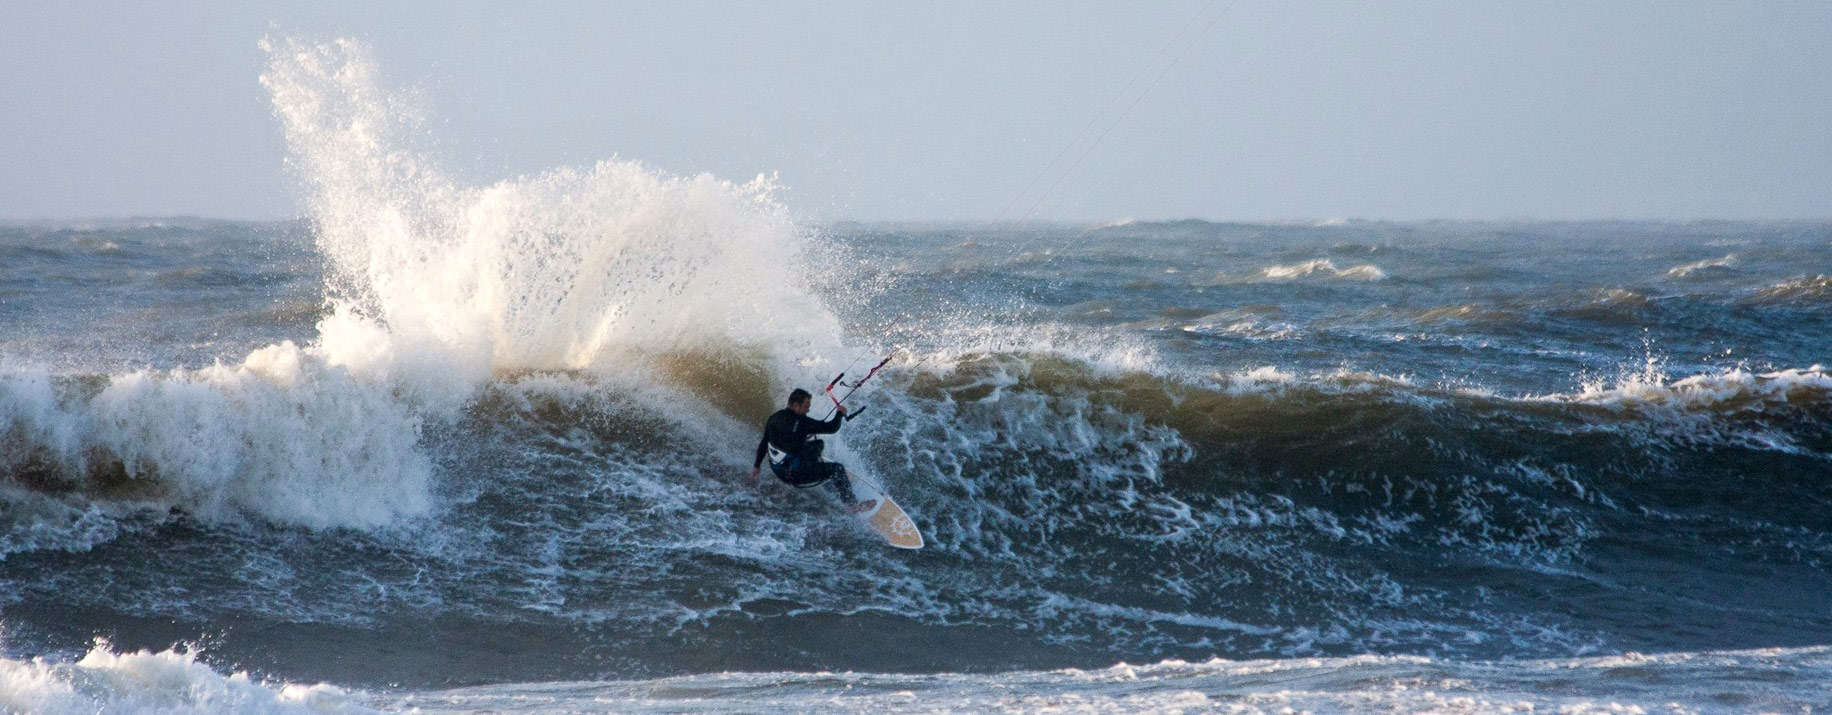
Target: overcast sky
{"x": 1243, "y": 109}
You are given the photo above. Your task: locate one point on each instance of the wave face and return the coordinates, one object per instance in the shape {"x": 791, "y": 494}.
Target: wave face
{"x": 492, "y": 434}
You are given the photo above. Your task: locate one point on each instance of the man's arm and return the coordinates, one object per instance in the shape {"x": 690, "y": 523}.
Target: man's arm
{"x": 814, "y": 426}
{"x": 750, "y": 480}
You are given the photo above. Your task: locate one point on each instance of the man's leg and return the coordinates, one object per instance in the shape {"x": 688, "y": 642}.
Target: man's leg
{"x": 836, "y": 473}
{"x": 841, "y": 484}
{"x": 812, "y": 473}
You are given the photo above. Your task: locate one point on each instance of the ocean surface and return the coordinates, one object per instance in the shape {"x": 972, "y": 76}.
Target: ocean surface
{"x": 457, "y": 447}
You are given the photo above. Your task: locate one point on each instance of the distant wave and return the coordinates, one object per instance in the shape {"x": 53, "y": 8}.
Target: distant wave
{"x": 1324, "y": 268}
{"x": 1814, "y": 289}
{"x": 1251, "y": 323}
{"x": 1731, "y": 390}
{"x": 1612, "y": 305}
{"x": 1359, "y": 247}
{"x": 1473, "y": 313}
{"x": 1728, "y": 391}
{"x": 1710, "y": 266}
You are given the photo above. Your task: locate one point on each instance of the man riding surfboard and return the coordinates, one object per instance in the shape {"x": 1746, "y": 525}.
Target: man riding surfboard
{"x": 795, "y": 456}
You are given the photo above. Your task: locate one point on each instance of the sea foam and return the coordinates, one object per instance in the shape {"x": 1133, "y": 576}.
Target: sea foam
{"x": 170, "y": 682}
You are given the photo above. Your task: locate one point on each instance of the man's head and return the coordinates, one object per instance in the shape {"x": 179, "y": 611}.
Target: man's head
{"x": 799, "y": 400}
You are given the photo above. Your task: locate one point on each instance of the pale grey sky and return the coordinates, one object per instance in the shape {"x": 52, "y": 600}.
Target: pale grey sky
{"x": 1232, "y": 109}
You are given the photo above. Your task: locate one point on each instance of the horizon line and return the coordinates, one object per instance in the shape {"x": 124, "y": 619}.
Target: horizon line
{"x": 1321, "y": 222}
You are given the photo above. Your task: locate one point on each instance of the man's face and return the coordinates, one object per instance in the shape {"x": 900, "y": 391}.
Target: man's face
{"x": 800, "y": 408}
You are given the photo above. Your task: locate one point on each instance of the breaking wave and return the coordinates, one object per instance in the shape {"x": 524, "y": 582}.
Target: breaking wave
{"x": 434, "y": 289}
{"x": 1807, "y": 290}
{"x": 171, "y": 681}
{"x": 1704, "y": 268}
{"x": 284, "y": 435}
{"x": 1325, "y": 268}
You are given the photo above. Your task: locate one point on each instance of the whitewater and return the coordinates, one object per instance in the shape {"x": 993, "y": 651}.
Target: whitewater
{"x": 456, "y": 447}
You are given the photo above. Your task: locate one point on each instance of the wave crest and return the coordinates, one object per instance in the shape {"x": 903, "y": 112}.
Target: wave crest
{"x": 284, "y": 435}
{"x": 1325, "y": 268}
{"x": 1814, "y": 289}
{"x": 1705, "y": 268}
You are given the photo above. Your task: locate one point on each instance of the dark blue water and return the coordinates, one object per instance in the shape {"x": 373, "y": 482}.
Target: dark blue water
{"x": 1136, "y": 442}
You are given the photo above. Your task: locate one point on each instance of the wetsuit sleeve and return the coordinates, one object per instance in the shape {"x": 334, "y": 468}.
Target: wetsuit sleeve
{"x": 814, "y": 426}
{"x": 761, "y": 442}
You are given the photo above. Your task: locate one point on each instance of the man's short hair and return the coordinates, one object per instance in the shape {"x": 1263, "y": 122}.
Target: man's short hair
{"x": 799, "y": 395}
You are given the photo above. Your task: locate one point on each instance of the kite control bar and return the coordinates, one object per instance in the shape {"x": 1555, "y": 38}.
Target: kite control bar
{"x": 854, "y": 385}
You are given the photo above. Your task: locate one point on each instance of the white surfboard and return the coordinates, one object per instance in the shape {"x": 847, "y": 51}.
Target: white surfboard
{"x": 886, "y": 518}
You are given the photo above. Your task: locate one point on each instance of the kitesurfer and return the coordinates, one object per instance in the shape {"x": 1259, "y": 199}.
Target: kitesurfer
{"x": 795, "y": 456}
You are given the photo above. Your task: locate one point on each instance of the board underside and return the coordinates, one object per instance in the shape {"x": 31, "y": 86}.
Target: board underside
{"x": 887, "y": 518}
{"x": 890, "y": 521}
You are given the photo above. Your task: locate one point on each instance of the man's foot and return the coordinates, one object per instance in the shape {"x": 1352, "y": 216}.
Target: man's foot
{"x": 863, "y": 506}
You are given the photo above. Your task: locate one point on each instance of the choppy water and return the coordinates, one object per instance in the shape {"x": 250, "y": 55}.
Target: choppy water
{"x": 490, "y": 438}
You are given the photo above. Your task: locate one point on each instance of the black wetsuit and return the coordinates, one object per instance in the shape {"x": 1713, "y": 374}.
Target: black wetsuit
{"x": 793, "y": 435}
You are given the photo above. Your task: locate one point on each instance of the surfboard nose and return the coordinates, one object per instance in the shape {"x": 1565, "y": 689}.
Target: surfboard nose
{"x": 896, "y": 526}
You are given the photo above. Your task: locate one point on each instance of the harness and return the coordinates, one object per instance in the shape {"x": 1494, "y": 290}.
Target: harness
{"x": 783, "y": 463}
